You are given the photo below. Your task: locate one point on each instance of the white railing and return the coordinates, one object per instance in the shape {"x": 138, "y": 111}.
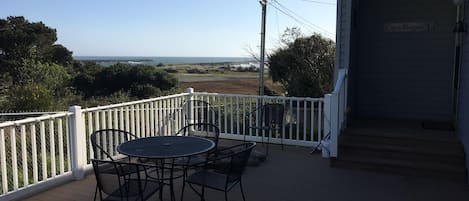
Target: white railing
{"x": 33, "y": 152}
{"x": 37, "y": 153}
{"x": 303, "y": 119}
{"x": 335, "y": 112}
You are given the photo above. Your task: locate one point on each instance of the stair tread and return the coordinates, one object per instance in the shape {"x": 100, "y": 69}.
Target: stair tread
{"x": 435, "y": 136}
{"x": 421, "y": 149}
{"x": 404, "y": 163}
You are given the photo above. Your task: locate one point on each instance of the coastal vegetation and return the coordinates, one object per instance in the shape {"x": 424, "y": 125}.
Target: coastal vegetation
{"x": 38, "y": 74}
{"x": 304, "y": 65}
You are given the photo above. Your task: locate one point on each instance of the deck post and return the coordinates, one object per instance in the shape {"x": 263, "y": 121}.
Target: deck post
{"x": 189, "y": 117}
{"x": 327, "y": 125}
{"x": 334, "y": 118}
{"x": 77, "y": 142}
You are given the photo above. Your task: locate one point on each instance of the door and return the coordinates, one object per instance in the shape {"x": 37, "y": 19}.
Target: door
{"x": 404, "y": 66}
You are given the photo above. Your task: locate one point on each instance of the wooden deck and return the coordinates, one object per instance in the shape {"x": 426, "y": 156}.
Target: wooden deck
{"x": 295, "y": 175}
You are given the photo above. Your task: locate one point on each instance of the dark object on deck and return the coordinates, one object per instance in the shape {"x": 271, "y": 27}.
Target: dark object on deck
{"x": 113, "y": 180}
{"x": 199, "y": 111}
{"x": 222, "y": 179}
{"x": 204, "y": 130}
{"x": 438, "y": 125}
{"x": 107, "y": 140}
{"x": 271, "y": 122}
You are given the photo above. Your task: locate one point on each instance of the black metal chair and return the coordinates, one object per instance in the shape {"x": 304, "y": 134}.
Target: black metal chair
{"x": 222, "y": 178}
{"x": 199, "y": 111}
{"x": 204, "y": 130}
{"x": 117, "y": 183}
{"x": 270, "y": 124}
{"x": 105, "y": 142}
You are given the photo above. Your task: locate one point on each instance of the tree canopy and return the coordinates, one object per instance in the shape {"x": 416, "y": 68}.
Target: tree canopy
{"x": 38, "y": 74}
{"x": 304, "y": 65}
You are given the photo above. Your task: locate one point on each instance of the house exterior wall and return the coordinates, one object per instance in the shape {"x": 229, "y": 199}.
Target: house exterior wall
{"x": 401, "y": 72}
{"x": 343, "y": 34}
{"x": 463, "y": 102}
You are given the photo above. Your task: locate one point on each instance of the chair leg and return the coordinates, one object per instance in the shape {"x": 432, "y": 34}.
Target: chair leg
{"x": 95, "y": 192}
{"x": 202, "y": 196}
{"x": 183, "y": 183}
{"x": 226, "y": 195}
{"x": 242, "y": 191}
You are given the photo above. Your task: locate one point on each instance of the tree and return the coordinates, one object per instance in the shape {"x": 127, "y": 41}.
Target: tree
{"x": 304, "y": 65}
{"x": 21, "y": 39}
{"x": 139, "y": 81}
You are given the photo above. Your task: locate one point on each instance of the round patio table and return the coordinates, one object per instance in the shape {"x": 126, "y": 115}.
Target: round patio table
{"x": 166, "y": 147}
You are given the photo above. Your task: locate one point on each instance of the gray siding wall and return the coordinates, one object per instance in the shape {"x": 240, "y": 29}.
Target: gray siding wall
{"x": 343, "y": 33}
{"x": 463, "y": 106}
{"x": 404, "y": 75}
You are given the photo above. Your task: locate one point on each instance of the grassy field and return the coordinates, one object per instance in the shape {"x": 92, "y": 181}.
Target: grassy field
{"x": 219, "y": 78}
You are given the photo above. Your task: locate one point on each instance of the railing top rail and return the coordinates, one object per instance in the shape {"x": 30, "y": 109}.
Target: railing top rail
{"x": 28, "y": 113}
{"x": 35, "y": 119}
{"x": 340, "y": 80}
{"x": 91, "y": 109}
{"x": 264, "y": 97}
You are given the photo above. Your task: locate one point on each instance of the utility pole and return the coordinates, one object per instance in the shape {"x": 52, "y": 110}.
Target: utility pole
{"x": 261, "y": 64}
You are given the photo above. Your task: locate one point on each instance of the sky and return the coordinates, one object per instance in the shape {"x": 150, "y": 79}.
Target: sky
{"x": 182, "y": 28}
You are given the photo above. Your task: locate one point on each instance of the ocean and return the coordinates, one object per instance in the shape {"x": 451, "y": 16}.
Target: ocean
{"x": 109, "y": 60}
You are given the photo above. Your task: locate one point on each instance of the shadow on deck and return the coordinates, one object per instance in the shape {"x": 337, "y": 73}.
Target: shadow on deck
{"x": 295, "y": 175}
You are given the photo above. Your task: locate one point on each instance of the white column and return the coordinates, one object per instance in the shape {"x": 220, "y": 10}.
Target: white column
{"x": 77, "y": 142}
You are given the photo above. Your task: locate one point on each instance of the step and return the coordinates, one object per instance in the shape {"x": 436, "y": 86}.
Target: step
{"x": 405, "y": 167}
{"x": 427, "y": 136}
{"x": 376, "y": 145}
{"x": 424, "y": 158}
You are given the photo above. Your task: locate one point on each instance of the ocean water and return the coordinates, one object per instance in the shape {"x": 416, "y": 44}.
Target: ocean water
{"x": 106, "y": 61}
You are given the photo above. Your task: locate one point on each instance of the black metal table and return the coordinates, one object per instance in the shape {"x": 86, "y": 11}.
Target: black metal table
{"x": 166, "y": 147}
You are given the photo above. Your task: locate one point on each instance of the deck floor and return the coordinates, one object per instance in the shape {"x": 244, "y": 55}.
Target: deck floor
{"x": 295, "y": 175}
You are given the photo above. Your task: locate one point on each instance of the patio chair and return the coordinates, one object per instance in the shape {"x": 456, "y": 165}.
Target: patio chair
{"x": 222, "y": 178}
{"x": 199, "y": 111}
{"x": 204, "y": 130}
{"x": 113, "y": 180}
{"x": 104, "y": 143}
{"x": 270, "y": 125}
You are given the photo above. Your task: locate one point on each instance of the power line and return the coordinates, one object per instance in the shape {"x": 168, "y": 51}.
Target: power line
{"x": 321, "y": 2}
{"x": 301, "y": 20}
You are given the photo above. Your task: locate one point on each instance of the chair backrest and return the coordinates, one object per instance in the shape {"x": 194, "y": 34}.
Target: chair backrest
{"x": 205, "y": 130}
{"x": 112, "y": 180}
{"x": 105, "y": 142}
{"x": 272, "y": 115}
{"x": 237, "y": 157}
{"x": 199, "y": 111}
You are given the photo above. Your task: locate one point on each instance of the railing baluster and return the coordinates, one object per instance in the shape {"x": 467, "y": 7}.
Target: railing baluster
{"x": 52, "y": 148}
{"x": 90, "y": 130}
{"x": 34, "y": 152}
{"x": 291, "y": 119}
{"x": 3, "y": 161}
{"x": 237, "y": 115}
{"x": 43, "y": 150}
{"x": 152, "y": 119}
{"x": 127, "y": 119}
{"x": 61, "y": 145}
{"x": 311, "y": 121}
{"x": 147, "y": 119}
{"x": 24, "y": 156}
{"x": 14, "y": 164}
{"x": 67, "y": 135}
{"x": 225, "y": 115}
{"x": 132, "y": 120}
{"x": 320, "y": 121}
{"x": 305, "y": 121}
{"x": 137, "y": 121}
{"x": 231, "y": 114}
